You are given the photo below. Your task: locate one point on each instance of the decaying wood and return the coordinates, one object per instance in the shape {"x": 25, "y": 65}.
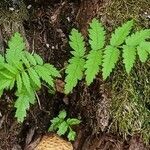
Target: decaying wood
{"x": 87, "y": 11}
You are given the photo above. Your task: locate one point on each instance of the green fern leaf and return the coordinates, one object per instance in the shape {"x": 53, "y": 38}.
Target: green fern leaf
{"x": 34, "y": 77}
{"x": 30, "y": 58}
{"x": 10, "y": 68}
{"x": 74, "y": 73}
{"x": 19, "y": 83}
{"x": 136, "y": 38}
{"x": 52, "y": 70}
{"x": 32, "y": 97}
{"x": 1, "y": 92}
{"x": 38, "y": 59}
{"x": 18, "y": 65}
{"x": 62, "y": 128}
{"x": 26, "y": 81}
{"x": 12, "y": 84}
{"x": 92, "y": 65}
{"x": 96, "y": 34}
{"x": 6, "y": 74}
{"x": 5, "y": 83}
{"x": 2, "y": 60}
{"x": 143, "y": 50}
{"x": 77, "y": 43}
{"x": 44, "y": 74}
{"x": 118, "y": 37}
{"x": 110, "y": 58}
{"x": 22, "y": 104}
{"x": 129, "y": 56}
{"x": 16, "y": 46}
{"x": 143, "y": 55}
{"x": 25, "y": 61}
{"x": 146, "y": 46}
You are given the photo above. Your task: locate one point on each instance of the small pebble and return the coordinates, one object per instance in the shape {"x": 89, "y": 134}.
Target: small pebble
{"x": 11, "y": 9}
{"x": 53, "y": 47}
{"x": 68, "y": 18}
{"x": 47, "y": 45}
{"x": 29, "y": 6}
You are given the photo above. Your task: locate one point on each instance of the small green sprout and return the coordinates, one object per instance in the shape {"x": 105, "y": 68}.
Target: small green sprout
{"x": 63, "y": 125}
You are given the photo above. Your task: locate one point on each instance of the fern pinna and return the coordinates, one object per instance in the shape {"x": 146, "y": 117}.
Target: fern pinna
{"x": 103, "y": 57}
{"x": 75, "y": 68}
{"x": 19, "y": 68}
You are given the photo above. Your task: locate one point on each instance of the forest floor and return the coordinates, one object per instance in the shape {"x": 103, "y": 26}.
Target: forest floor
{"x": 46, "y": 25}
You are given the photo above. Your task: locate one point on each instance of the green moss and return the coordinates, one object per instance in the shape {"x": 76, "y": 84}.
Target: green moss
{"x": 130, "y": 101}
{"x": 118, "y": 11}
{"x": 130, "y": 109}
{"x": 16, "y": 15}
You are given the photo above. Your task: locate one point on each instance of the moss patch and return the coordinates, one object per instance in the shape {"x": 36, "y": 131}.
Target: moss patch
{"x": 130, "y": 109}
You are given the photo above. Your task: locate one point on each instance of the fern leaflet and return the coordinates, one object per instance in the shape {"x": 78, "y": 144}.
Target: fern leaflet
{"x": 129, "y": 56}
{"x": 23, "y": 103}
{"x": 96, "y": 34}
{"x": 77, "y": 43}
{"x": 42, "y": 72}
{"x": 136, "y": 38}
{"x": 52, "y": 70}
{"x": 5, "y": 83}
{"x": 26, "y": 81}
{"x": 92, "y": 66}
{"x": 121, "y": 33}
{"x": 19, "y": 83}
{"x": 16, "y": 46}
{"x": 2, "y": 60}
{"x": 38, "y": 59}
{"x": 110, "y": 58}
{"x": 25, "y": 61}
{"x": 34, "y": 77}
{"x": 30, "y": 58}
{"x": 74, "y": 73}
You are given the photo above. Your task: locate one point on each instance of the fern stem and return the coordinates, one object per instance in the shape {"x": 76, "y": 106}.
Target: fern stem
{"x": 38, "y": 101}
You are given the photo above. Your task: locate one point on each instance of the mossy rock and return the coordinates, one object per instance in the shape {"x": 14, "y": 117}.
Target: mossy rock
{"x": 130, "y": 110}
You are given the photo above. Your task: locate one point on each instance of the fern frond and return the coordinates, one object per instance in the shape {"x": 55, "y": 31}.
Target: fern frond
{"x": 110, "y": 58}
{"x": 22, "y": 104}
{"x": 77, "y": 43}
{"x": 34, "y": 77}
{"x": 6, "y": 74}
{"x": 25, "y": 61}
{"x": 12, "y": 84}
{"x": 92, "y": 65}
{"x": 52, "y": 70}
{"x": 74, "y": 73}
{"x": 10, "y": 68}
{"x": 143, "y": 55}
{"x": 16, "y": 46}
{"x": 96, "y": 35}
{"x": 2, "y": 60}
{"x": 145, "y": 45}
{"x": 38, "y": 59}
{"x": 44, "y": 74}
{"x": 129, "y": 56}
{"x": 143, "y": 50}
{"x": 5, "y": 83}
{"x": 30, "y": 58}
{"x": 18, "y": 65}
{"x": 120, "y": 34}
{"x": 26, "y": 81}
{"x": 19, "y": 83}
{"x": 139, "y": 36}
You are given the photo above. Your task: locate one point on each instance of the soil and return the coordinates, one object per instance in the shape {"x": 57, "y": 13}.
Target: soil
{"x": 45, "y": 25}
